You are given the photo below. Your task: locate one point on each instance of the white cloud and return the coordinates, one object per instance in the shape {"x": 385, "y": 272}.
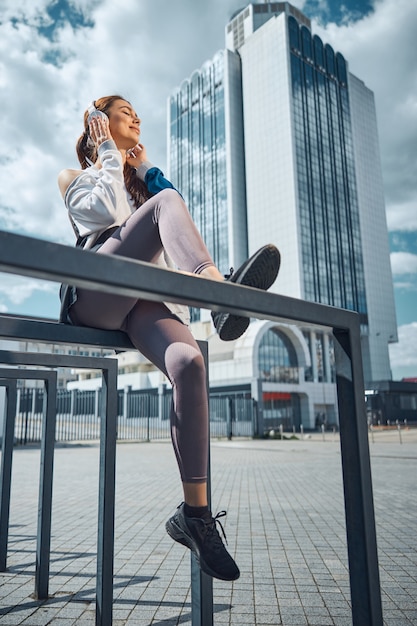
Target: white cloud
{"x": 404, "y": 353}
{"x": 405, "y": 285}
{"x": 130, "y": 51}
{"x": 17, "y": 289}
{"x": 24, "y": 9}
{"x": 31, "y": 193}
{"x": 403, "y": 263}
{"x": 135, "y": 52}
{"x": 403, "y": 216}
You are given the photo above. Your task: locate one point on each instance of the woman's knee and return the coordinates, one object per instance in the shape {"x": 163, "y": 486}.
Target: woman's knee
{"x": 185, "y": 364}
{"x": 170, "y": 198}
{"x": 169, "y": 194}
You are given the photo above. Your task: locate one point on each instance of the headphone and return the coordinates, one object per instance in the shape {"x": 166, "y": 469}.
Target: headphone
{"x": 93, "y": 111}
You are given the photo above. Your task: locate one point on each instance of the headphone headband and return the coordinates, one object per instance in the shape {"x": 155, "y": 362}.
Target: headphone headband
{"x": 91, "y": 107}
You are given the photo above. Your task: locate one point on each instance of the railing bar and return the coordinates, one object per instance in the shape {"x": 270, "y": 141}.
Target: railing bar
{"x": 6, "y": 468}
{"x": 32, "y": 257}
{"x": 105, "y": 539}
{"x": 43, "y": 543}
{"x": 201, "y": 584}
{"x": 357, "y": 483}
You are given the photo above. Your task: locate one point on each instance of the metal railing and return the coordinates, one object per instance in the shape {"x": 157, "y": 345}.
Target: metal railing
{"x": 140, "y": 416}
{"x": 106, "y": 490}
{"x": 49, "y": 261}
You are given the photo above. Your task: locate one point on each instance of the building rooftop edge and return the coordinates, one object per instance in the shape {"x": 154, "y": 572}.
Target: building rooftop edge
{"x": 281, "y": 7}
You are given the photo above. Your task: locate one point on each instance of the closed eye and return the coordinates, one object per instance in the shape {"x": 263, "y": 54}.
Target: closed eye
{"x": 131, "y": 114}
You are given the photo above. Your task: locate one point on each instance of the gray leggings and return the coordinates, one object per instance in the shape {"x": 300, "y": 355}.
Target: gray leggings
{"x": 163, "y": 222}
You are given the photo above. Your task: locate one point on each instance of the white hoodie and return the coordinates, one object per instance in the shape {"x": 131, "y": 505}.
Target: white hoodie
{"x": 97, "y": 199}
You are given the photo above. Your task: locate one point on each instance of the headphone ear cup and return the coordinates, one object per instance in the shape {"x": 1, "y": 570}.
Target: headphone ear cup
{"x": 96, "y": 113}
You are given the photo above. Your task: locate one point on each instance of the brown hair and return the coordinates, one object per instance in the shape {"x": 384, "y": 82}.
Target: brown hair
{"x": 86, "y": 150}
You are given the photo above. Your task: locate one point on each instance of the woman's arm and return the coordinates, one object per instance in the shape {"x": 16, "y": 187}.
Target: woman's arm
{"x": 65, "y": 178}
{"x": 96, "y": 198}
{"x": 152, "y": 176}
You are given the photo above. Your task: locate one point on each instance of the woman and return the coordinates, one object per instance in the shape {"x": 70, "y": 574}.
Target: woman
{"x": 120, "y": 204}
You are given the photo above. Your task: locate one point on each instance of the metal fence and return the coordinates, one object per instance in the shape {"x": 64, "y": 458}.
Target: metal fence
{"x": 142, "y": 416}
{"x": 31, "y": 257}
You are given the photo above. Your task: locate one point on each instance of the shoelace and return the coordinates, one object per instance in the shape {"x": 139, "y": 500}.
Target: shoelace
{"x": 227, "y": 276}
{"x": 211, "y": 525}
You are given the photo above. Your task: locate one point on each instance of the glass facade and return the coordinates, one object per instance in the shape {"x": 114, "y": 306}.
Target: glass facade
{"x": 278, "y": 363}
{"x": 277, "y": 358}
{"x": 318, "y": 347}
{"x": 281, "y": 409}
{"x": 330, "y": 236}
{"x": 198, "y": 155}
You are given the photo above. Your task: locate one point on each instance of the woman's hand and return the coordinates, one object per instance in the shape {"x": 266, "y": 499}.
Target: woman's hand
{"x": 137, "y": 155}
{"x": 99, "y": 130}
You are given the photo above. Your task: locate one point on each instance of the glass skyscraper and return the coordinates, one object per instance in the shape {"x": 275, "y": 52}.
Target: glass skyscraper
{"x": 285, "y": 136}
{"x": 198, "y": 153}
{"x": 206, "y": 156}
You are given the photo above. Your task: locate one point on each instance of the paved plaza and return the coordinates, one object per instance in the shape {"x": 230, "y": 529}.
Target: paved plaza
{"x": 285, "y": 526}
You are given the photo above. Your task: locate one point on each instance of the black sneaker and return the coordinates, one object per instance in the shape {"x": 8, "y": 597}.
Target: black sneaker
{"x": 202, "y": 537}
{"x": 259, "y": 271}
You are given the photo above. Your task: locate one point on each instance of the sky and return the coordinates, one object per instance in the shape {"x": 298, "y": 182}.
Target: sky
{"x": 57, "y": 56}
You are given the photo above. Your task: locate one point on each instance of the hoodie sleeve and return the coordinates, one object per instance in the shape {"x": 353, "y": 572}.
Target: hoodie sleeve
{"x": 153, "y": 178}
{"x": 98, "y": 200}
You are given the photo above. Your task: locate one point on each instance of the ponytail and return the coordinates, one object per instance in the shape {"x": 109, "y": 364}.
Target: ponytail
{"x": 86, "y": 150}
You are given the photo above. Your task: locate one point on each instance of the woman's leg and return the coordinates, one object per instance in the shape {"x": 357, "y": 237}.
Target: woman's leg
{"x": 168, "y": 343}
{"x": 163, "y": 222}
{"x": 162, "y": 338}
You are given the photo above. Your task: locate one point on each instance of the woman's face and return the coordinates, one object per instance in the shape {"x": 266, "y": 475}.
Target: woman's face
{"x": 124, "y": 124}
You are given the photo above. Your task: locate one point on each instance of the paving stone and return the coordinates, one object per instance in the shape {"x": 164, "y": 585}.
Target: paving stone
{"x": 285, "y": 526}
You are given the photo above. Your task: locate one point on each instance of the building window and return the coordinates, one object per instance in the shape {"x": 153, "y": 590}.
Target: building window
{"x": 277, "y": 358}
{"x": 408, "y": 402}
{"x": 294, "y": 34}
{"x": 281, "y": 409}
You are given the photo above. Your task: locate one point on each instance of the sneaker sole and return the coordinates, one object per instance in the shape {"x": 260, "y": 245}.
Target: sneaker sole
{"x": 232, "y": 327}
{"x": 175, "y": 532}
{"x": 261, "y": 270}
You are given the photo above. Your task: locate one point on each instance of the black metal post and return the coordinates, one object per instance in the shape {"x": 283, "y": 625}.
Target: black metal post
{"x": 106, "y": 497}
{"x": 201, "y": 584}
{"x": 43, "y": 543}
{"x": 6, "y": 467}
{"x": 359, "y": 509}
{"x": 229, "y": 410}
